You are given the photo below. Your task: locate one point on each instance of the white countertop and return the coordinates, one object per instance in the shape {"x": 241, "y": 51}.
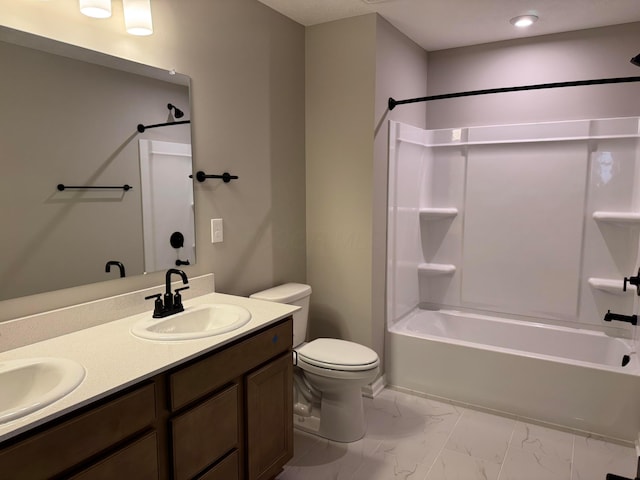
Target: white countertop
{"x": 115, "y": 359}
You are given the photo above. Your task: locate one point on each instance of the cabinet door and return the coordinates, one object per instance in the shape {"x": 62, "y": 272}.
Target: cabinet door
{"x": 269, "y": 418}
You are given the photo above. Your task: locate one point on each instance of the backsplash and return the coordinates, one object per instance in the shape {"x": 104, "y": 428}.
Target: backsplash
{"x": 42, "y": 326}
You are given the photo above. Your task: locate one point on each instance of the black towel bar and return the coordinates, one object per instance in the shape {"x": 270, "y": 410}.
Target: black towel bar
{"x": 226, "y": 176}
{"x": 124, "y": 187}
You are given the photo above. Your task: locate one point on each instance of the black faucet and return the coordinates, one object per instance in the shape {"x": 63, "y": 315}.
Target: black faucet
{"x": 107, "y": 267}
{"x": 172, "y": 303}
{"x": 169, "y": 303}
{"x": 632, "y": 319}
{"x": 633, "y": 281}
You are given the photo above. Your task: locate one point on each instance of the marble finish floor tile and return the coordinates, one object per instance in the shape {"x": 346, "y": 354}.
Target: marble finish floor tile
{"x": 409, "y": 437}
{"x": 321, "y": 459}
{"x": 537, "y": 452}
{"x": 593, "y": 459}
{"x": 452, "y": 465}
{"x": 482, "y": 435}
{"x": 543, "y": 442}
{"x": 520, "y": 464}
{"x": 412, "y": 429}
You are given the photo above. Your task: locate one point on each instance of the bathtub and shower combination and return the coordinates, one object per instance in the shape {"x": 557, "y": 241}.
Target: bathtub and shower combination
{"x": 506, "y": 247}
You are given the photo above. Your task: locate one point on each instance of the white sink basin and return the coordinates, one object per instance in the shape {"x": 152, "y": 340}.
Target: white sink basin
{"x": 195, "y": 322}
{"x": 30, "y": 384}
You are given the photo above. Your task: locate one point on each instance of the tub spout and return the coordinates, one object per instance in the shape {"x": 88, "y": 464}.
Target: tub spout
{"x": 609, "y": 316}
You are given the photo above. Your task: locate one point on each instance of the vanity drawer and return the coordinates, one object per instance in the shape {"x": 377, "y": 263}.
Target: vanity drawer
{"x": 209, "y": 374}
{"x": 138, "y": 460}
{"x": 44, "y": 454}
{"x": 205, "y": 433}
{"x": 227, "y": 469}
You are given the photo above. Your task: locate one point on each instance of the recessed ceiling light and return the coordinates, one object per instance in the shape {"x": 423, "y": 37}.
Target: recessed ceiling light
{"x": 524, "y": 21}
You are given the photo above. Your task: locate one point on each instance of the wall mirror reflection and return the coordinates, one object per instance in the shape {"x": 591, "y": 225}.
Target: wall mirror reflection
{"x": 70, "y": 117}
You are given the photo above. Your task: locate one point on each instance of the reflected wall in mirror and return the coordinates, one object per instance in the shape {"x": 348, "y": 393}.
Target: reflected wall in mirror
{"x": 70, "y": 116}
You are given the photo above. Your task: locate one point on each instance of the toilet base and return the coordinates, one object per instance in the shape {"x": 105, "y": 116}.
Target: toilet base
{"x": 340, "y": 417}
{"x": 307, "y": 424}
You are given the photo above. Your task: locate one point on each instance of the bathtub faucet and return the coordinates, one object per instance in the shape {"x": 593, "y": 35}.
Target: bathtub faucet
{"x": 633, "y": 281}
{"x": 632, "y": 319}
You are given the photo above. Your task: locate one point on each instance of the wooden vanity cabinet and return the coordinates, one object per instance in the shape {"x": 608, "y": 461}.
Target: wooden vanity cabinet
{"x": 223, "y": 416}
{"x": 259, "y": 369}
{"x": 60, "y": 448}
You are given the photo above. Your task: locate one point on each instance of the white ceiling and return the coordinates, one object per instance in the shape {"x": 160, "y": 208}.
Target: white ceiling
{"x": 440, "y": 24}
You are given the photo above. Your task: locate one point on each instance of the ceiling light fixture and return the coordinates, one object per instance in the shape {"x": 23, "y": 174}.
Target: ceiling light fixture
{"x": 96, "y": 8}
{"x": 137, "y": 17}
{"x": 523, "y": 21}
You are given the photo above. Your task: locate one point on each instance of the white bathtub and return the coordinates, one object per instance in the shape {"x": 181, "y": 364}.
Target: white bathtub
{"x": 564, "y": 376}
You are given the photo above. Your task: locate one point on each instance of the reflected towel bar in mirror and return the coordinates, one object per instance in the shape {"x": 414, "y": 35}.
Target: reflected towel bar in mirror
{"x": 226, "y": 176}
{"x": 124, "y": 187}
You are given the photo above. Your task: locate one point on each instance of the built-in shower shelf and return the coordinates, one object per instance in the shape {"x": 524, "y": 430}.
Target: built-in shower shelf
{"x": 625, "y": 218}
{"x": 608, "y": 285}
{"x": 437, "y": 213}
{"x": 433, "y": 269}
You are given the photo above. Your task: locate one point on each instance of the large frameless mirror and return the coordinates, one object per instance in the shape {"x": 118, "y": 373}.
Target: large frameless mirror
{"x": 87, "y": 195}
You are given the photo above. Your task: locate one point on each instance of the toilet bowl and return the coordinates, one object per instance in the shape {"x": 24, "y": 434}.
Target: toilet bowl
{"x": 328, "y": 374}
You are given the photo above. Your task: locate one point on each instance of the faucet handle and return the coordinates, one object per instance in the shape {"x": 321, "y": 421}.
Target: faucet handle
{"x": 158, "y": 307}
{"x": 177, "y": 298}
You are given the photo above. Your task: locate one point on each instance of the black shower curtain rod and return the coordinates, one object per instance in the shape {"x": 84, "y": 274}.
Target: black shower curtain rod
{"x": 393, "y": 103}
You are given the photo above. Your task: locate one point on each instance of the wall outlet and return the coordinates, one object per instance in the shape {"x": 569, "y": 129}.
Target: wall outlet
{"x": 216, "y": 230}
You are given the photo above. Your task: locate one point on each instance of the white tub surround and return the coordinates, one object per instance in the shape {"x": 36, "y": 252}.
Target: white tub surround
{"x": 539, "y": 220}
{"x": 534, "y": 222}
{"x": 114, "y": 359}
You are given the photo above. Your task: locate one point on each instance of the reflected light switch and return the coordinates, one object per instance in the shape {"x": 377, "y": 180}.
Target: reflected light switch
{"x": 216, "y": 230}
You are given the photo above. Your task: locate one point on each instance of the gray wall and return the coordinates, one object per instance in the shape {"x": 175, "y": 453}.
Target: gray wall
{"x": 247, "y": 68}
{"x": 340, "y": 88}
{"x": 581, "y": 55}
{"x": 353, "y": 66}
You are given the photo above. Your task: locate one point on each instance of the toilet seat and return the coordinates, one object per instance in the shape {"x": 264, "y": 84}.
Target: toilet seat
{"x": 337, "y": 355}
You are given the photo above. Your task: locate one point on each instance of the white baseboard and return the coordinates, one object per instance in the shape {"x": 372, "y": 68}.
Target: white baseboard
{"x": 375, "y": 387}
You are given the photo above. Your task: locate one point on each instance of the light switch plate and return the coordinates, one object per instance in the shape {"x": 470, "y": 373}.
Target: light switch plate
{"x": 216, "y": 230}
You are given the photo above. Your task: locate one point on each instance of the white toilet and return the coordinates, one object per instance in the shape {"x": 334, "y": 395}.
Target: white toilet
{"x": 328, "y": 376}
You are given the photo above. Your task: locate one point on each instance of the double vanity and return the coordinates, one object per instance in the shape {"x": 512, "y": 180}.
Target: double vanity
{"x": 206, "y": 393}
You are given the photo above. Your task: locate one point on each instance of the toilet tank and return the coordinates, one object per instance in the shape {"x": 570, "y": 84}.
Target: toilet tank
{"x": 291, "y": 294}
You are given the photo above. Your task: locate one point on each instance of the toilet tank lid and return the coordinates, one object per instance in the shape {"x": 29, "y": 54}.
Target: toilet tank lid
{"x": 286, "y": 293}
